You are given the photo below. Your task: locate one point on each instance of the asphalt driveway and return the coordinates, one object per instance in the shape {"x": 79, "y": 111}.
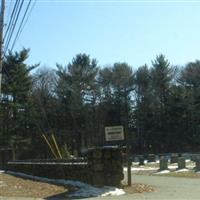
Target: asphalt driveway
{"x": 168, "y": 188}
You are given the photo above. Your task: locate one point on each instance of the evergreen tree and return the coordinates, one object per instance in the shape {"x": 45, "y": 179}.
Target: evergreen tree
{"x": 16, "y": 89}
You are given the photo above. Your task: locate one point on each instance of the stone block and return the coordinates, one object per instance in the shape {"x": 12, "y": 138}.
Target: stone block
{"x": 97, "y": 154}
{"x": 98, "y": 167}
{"x": 107, "y": 155}
{"x": 98, "y": 179}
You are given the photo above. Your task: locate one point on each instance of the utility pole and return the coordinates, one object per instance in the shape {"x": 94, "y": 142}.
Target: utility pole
{"x": 1, "y": 40}
{"x": 128, "y": 143}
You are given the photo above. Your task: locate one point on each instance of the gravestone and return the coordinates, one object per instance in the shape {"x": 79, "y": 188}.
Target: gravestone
{"x": 194, "y": 157}
{"x": 136, "y": 159}
{"x": 197, "y": 168}
{"x": 181, "y": 163}
{"x": 151, "y": 158}
{"x": 163, "y": 163}
{"x": 141, "y": 160}
{"x": 174, "y": 158}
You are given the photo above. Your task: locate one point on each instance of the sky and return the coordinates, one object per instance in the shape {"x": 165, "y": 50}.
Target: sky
{"x": 112, "y": 31}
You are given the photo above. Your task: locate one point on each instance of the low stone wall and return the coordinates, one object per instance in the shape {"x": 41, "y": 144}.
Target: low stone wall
{"x": 52, "y": 170}
{"x": 103, "y": 166}
{"x": 5, "y": 155}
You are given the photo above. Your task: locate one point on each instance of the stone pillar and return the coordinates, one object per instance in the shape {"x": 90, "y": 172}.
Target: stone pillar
{"x": 163, "y": 163}
{"x": 174, "y": 158}
{"x": 181, "y": 163}
{"x": 105, "y": 166}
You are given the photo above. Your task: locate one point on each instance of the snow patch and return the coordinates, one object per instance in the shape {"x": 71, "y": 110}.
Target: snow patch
{"x": 163, "y": 172}
{"x": 173, "y": 166}
{"x": 133, "y": 169}
{"x": 2, "y": 171}
{"x": 83, "y": 189}
{"x": 182, "y": 170}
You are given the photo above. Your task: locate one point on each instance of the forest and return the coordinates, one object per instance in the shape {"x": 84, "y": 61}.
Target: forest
{"x": 158, "y": 105}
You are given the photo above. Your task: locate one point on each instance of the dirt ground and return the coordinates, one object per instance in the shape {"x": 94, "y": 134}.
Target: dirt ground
{"x": 11, "y": 186}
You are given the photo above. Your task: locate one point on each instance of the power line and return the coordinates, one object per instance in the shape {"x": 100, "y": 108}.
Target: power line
{"x": 33, "y": 5}
{"x": 12, "y": 18}
{"x": 20, "y": 26}
{"x": 13, "y": 28}
{"x": 8, "y": 13}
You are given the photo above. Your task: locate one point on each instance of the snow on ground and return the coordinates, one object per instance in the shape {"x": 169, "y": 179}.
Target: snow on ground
{"x": 163, "y": 172}
{"x": 182, "y": 170}
{"x": 173, "y": 166}
{"x": 1, "y": 171}
{"x": 150, "y": 167}
{"x": 83, "y": 189}
{"x": 133, "y": 169}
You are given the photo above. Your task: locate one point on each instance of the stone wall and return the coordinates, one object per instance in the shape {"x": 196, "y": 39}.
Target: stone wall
{"x": 6, "y": 154}
{"x": 103, "y": 166}
{"x": 52, "y": 170}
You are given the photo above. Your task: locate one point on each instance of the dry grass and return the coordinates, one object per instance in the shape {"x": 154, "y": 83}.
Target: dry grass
{"x": 138, "y": 188}
{"x": 11, "y": 186}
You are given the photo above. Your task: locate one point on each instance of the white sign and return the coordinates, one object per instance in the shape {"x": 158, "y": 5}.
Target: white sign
{"x": 114, "y": 133}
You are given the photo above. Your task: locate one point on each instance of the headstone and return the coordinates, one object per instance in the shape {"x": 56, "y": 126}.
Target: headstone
{"x": 194, "y": 157}
{"x": 181, "y": 163}
{"x": 151, "y": 158}
{"x": 136, "y": 159}
{"x": 187, "y": 156}
{"x": 163, "y": 163}
{"x": 197, "y": 168}
{"x": 141, "y": 160}
{"x": 174, "y": 158}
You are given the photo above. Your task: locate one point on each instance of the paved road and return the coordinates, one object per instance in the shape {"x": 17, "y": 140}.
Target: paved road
{"x": 168, "y": 188}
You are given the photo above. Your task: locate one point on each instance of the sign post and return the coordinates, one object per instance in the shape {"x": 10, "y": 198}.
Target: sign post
{"x": 128, "y": 147}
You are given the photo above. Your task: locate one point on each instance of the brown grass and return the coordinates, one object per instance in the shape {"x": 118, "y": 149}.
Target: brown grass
{"x": 138, "y": 188}
{"x": 11, "y": 186}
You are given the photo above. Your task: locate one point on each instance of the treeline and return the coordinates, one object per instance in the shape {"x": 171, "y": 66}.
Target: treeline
{"x": 159, "y": 105}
